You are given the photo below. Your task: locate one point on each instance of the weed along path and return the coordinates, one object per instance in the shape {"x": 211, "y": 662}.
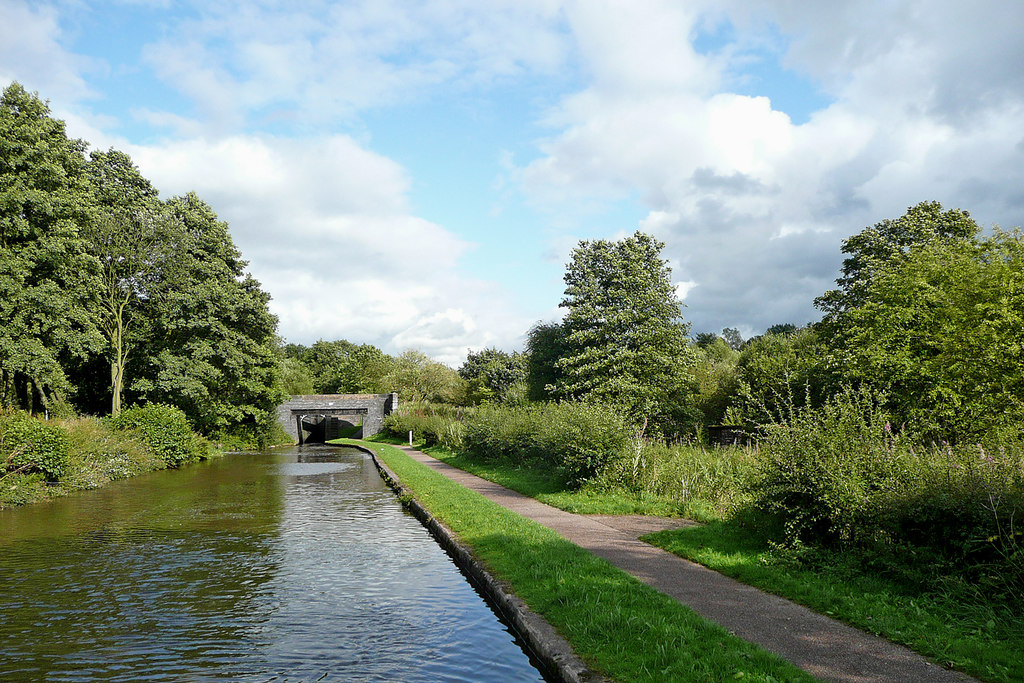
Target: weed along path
{"x": 825, "y": 648}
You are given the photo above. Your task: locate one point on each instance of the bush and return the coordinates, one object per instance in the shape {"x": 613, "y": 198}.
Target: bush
{"x": 435, "y": 424}
{"x": 840, "y": 476}
{"x": 166, "y": 431}
{"x": 579, "y": 438}
{"x": 101, "y": 454}
{"x": 29, "y": 445}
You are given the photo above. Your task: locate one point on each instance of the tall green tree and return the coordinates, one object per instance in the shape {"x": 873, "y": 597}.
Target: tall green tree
{"x": 136, "y": 241}
{"x": 626, "y": 341}
{"x": 416, "y": 377}
{"x": 941, "y": 332}
{"x": 342, "y": 367}
{"x": 493, "y": 374}
{"x": 137, "y": 250}
{"x": 47, "y": 276}
{"x": 211, "y": 345}
{"x": 887, "y": 243}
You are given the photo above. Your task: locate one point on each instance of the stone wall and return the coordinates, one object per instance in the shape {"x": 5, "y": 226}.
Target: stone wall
{"x": 370, "y": 407}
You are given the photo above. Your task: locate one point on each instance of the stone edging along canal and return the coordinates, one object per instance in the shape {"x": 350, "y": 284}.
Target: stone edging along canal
{"x": 544, "y": 642}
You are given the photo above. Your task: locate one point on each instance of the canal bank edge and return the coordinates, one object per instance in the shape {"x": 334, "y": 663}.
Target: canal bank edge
{"x": 544, "y": 642}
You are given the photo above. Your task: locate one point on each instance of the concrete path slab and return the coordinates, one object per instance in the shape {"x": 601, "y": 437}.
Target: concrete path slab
{"x": 817, "y": 644}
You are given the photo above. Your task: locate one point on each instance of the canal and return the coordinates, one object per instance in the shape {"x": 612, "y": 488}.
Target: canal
{"x": 293, "y": 566}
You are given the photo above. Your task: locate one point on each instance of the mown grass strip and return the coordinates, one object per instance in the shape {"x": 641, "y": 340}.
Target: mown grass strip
{"x": 621, "y": 627}
{"x": 549, "y": 487}
{"x": 983, "y": 641}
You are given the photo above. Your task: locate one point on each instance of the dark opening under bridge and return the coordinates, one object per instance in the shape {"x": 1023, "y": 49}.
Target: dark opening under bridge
{"x": 315, "y": 418}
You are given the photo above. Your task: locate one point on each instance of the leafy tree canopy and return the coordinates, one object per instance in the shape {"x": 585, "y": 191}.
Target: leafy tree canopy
{"x": 625, "y": 340}
{"x": 886, "y": 243}
{"x": 492, "y": 373}
{"x": 941, "y": 331}
{"x": 47, "y": 277}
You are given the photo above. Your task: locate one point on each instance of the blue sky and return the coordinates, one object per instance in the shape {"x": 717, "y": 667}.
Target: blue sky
{"x": 416, "y": 174}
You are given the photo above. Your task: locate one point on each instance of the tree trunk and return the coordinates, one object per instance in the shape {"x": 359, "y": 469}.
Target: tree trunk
{"x": 117, "y": 364}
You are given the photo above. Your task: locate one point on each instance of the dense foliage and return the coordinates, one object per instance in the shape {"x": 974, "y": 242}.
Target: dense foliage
{"x": 31, "y": 446}
{"x": 165, "y": 430}
{"x": 41, "y": 459}
{"x": 625, "y": 340}
{"x": 109, "y": 294}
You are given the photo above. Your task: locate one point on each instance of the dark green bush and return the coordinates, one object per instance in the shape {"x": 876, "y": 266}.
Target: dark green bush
{"x": 821, "y": 469}
{"x": 839, "y": 477}
{"x": 29, "y": 445}
{"x": 166, "y": 430}
{"x": 579, "y": 438}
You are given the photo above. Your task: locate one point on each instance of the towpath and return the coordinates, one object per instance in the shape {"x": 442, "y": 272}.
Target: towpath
{"x": 825, "y": 648}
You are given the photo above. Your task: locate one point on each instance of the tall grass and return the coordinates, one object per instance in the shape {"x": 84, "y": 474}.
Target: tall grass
{"x": 698, "y": 477}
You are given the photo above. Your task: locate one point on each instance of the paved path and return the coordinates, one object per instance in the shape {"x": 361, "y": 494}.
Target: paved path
{"x": 821, "y": 646}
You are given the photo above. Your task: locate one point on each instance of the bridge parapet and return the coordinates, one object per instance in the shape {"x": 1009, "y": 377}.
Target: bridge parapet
{"x": 369, "y": 409}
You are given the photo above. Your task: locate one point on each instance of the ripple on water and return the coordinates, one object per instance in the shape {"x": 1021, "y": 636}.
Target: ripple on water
{"x": 288, "y": 567}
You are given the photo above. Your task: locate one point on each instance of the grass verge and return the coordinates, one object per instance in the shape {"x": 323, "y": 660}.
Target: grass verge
{"x": 945, "y": 622}
{"x": 540, "y": 482}
{"x": 620, "y": 626}
{"x": 984, "y": 640}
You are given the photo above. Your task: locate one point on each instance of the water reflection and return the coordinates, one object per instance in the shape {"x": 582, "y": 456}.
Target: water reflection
{"x": 293, "y": 566}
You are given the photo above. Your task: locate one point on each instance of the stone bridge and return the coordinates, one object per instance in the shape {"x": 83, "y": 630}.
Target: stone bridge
{"x": 321, "y": 417}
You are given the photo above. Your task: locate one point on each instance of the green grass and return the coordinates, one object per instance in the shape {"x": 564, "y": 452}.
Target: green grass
{"x": 986, "y": 641}
{"x": 540, "y": 482}
{"x": 620, "y": 626}
{"x": 946, "y": 622}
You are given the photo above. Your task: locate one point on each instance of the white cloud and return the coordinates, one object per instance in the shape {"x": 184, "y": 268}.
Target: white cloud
{"x": 752, "y": 206}
{"x": 326, "y": 228}
{"x": 32, "y": 54}
{"x": 327, "y": 62}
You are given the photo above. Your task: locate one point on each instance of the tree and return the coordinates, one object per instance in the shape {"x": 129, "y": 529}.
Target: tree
{"x": 418, "y": 378}
{"x": 295, "y": 377}
{"x": 136, "y": 241}
{"x": 211, "y": 344}
{"x": 779, "y": 371}
{"x": 941, "y": 332}
{"x": 341, "y": 367}
{"x": 626, "y": 342}
{"x": 883, "y": 244}
{"x": 47, "y": 277}
{"x": 733, "y": 338}
{"x": 545, "y": 344}
{"x": 782, "y": 329}
{"x": 136, "y": 249}
{"x": 706, "y": 339}
{"x": 492, "y": 373}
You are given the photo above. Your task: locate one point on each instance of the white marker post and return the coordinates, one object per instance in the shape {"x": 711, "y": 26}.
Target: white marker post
{"x": 410, "y": 437}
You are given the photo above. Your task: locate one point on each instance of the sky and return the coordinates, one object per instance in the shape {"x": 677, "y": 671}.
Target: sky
{"x": 416, "y": 174}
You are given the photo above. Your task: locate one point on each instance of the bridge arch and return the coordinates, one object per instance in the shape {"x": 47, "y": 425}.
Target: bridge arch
{"x": 320, "y": 417}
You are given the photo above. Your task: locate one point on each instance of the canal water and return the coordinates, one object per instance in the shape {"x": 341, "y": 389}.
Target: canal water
{"x": 291, "y": 566}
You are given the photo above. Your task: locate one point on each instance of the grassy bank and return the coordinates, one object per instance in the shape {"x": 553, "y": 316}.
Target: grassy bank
{"x": 622, "y": 627}
{"x": 943, "y": 620}
{"x": 906, "y": 600}
{"x": 711, "y": 476}
{"x": 48, "y": 459}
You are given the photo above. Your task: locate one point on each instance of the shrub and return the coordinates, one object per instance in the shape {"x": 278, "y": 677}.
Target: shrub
{"x": 166, "y": 431}
{"x": 29, "y": 445}
{"x": 100, "y": 454}
{"x": 840, "y": 476}
{"x": 578, "y": 438}
{"x": 822, "y": 470}
{"x": 435, "y": 424}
